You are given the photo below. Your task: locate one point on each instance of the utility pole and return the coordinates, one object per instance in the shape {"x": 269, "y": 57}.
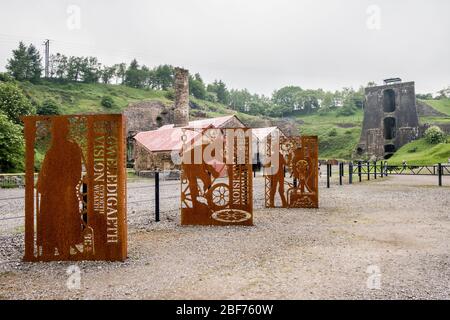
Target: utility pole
{"x": 47, "y": 57}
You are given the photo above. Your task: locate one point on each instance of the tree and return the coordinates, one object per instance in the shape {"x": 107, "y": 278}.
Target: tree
{"x": 220, "y": 89}
{"x": 133, "y": 75}
{"x": 58, "y": 66}
{"x": 74, "y": 67}
{"x": 35, "y": 64}
{"x": 444, "y": 93}
{"x": 12, "y": 148}
{"x": 288, "y": 97}
{"x": 25, "y": 63}
{"x": 197, "y": 87}
{"x": 108, "y": 73}
{"x": 90, "y": 69}
{"x": 13, "y": 103}
{"x": 164, "y": 76}
{"x": 240, "y": 100}
{"x": 121, "y": 70}
{"x": 48, "y": 107}
{"x": 18, "y": 64}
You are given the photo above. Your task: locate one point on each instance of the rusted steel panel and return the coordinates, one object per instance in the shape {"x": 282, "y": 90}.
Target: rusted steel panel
{"x": 79, "y": 202}
{"x": 296, "y": 159}
{"x": 207, "y": 197}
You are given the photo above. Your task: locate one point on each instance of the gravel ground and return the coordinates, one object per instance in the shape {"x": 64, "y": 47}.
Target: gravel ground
{"x": 398, "y": 226}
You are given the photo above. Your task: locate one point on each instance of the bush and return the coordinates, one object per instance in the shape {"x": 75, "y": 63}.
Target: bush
{"x": 5, "y": 77}
{"x": 211, "y": 97}
{"x": 107, "y": 102}
{"x": 48, "y": 108}
{"x": 333, "y": 133}
{"x": 346, "y": 111}
{"x": 13, "y": 103}
{"x": 412, "y": 150}
{"x": 434, "y": 135}
{"x": 12, "y": 147}
{"x": 170, "y": 94}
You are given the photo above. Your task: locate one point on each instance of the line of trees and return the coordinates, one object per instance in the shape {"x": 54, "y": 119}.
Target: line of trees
{"x": 26, "y": 65}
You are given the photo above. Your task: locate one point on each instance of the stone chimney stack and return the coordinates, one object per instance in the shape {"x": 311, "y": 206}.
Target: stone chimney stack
{"x": 181, "y": 111}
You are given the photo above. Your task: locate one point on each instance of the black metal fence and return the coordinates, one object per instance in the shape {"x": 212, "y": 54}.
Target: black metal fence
{"x": 366, "y": 170}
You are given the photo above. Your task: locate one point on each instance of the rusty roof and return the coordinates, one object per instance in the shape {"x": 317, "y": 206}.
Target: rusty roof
{"x": 168, "y": 137}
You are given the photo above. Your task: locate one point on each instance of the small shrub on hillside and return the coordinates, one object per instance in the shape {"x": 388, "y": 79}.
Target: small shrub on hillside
{"x": 434, "y": 135}
{"x": 48, "y": 108}
{"x": 333, "y": 132}
{"x": 107, "y": 102}
{"x": 170, "y": 94}
{"x": 412, "y": 150}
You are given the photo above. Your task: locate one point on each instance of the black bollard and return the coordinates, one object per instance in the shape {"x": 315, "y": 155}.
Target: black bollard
{"x": 328, "y": 175}
{"x": 156, "y": 196}
{"x": 350, "y": 172}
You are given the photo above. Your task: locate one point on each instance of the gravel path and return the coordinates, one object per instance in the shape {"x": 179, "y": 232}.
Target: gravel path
{"x": 397, "y": 227}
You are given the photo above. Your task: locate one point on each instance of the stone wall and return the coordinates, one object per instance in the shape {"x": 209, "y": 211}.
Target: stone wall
{"x": 146, "y": 115}
{"x": 146, "y": 160}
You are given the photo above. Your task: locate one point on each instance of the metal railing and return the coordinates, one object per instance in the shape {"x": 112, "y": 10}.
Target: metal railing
{"x": 378, "y": 169}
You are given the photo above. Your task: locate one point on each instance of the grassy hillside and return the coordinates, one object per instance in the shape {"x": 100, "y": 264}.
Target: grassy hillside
{"x": 338, "y": 135}
{"x": 420, "y": 152}
{"x": 442, "y": 105}
{"x": 86, "y": 98}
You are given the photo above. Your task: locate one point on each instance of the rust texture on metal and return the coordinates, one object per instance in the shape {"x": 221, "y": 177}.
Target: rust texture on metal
{"x": 76, "y": 210}
{"x": 291, "y": 171}
{"x": 216, "y": 180}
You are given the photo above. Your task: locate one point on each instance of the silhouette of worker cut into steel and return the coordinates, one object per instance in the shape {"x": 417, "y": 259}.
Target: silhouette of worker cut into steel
{"x": 298, "y": 157}
{"x": 77, "y": 210}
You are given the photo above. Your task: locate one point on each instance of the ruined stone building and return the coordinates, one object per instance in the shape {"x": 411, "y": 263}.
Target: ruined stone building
{"x": 390, "y": 119}
{"x": 154, "y": 148}
{"x": 144, "y": 116}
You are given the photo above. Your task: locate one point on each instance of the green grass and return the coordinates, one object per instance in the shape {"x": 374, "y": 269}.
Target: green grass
{"x": 424, "y": 154}
{"x": 76, "y": 98}
{"x": 340, "y": 145}
{"x": 85, "y": 98}
{"x": 442, "y": 105}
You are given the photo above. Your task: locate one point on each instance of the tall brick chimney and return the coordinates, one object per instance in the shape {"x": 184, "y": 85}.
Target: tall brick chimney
{"x": 181, "y": 110}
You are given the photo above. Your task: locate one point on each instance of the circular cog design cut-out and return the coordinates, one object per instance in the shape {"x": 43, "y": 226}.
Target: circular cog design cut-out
{"x": 231, "y": 215}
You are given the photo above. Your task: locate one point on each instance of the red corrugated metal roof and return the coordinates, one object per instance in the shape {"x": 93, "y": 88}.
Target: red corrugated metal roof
{"x": 203, "y": 123}
{"x": 168, "y": 137}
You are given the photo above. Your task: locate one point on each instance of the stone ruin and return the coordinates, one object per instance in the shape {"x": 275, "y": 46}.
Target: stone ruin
{"x": 181, "y": 110}
{"x": 390, "y": 119}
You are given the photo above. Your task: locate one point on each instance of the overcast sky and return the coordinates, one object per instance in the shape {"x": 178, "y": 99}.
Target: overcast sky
{"x": 261, "y": 45}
